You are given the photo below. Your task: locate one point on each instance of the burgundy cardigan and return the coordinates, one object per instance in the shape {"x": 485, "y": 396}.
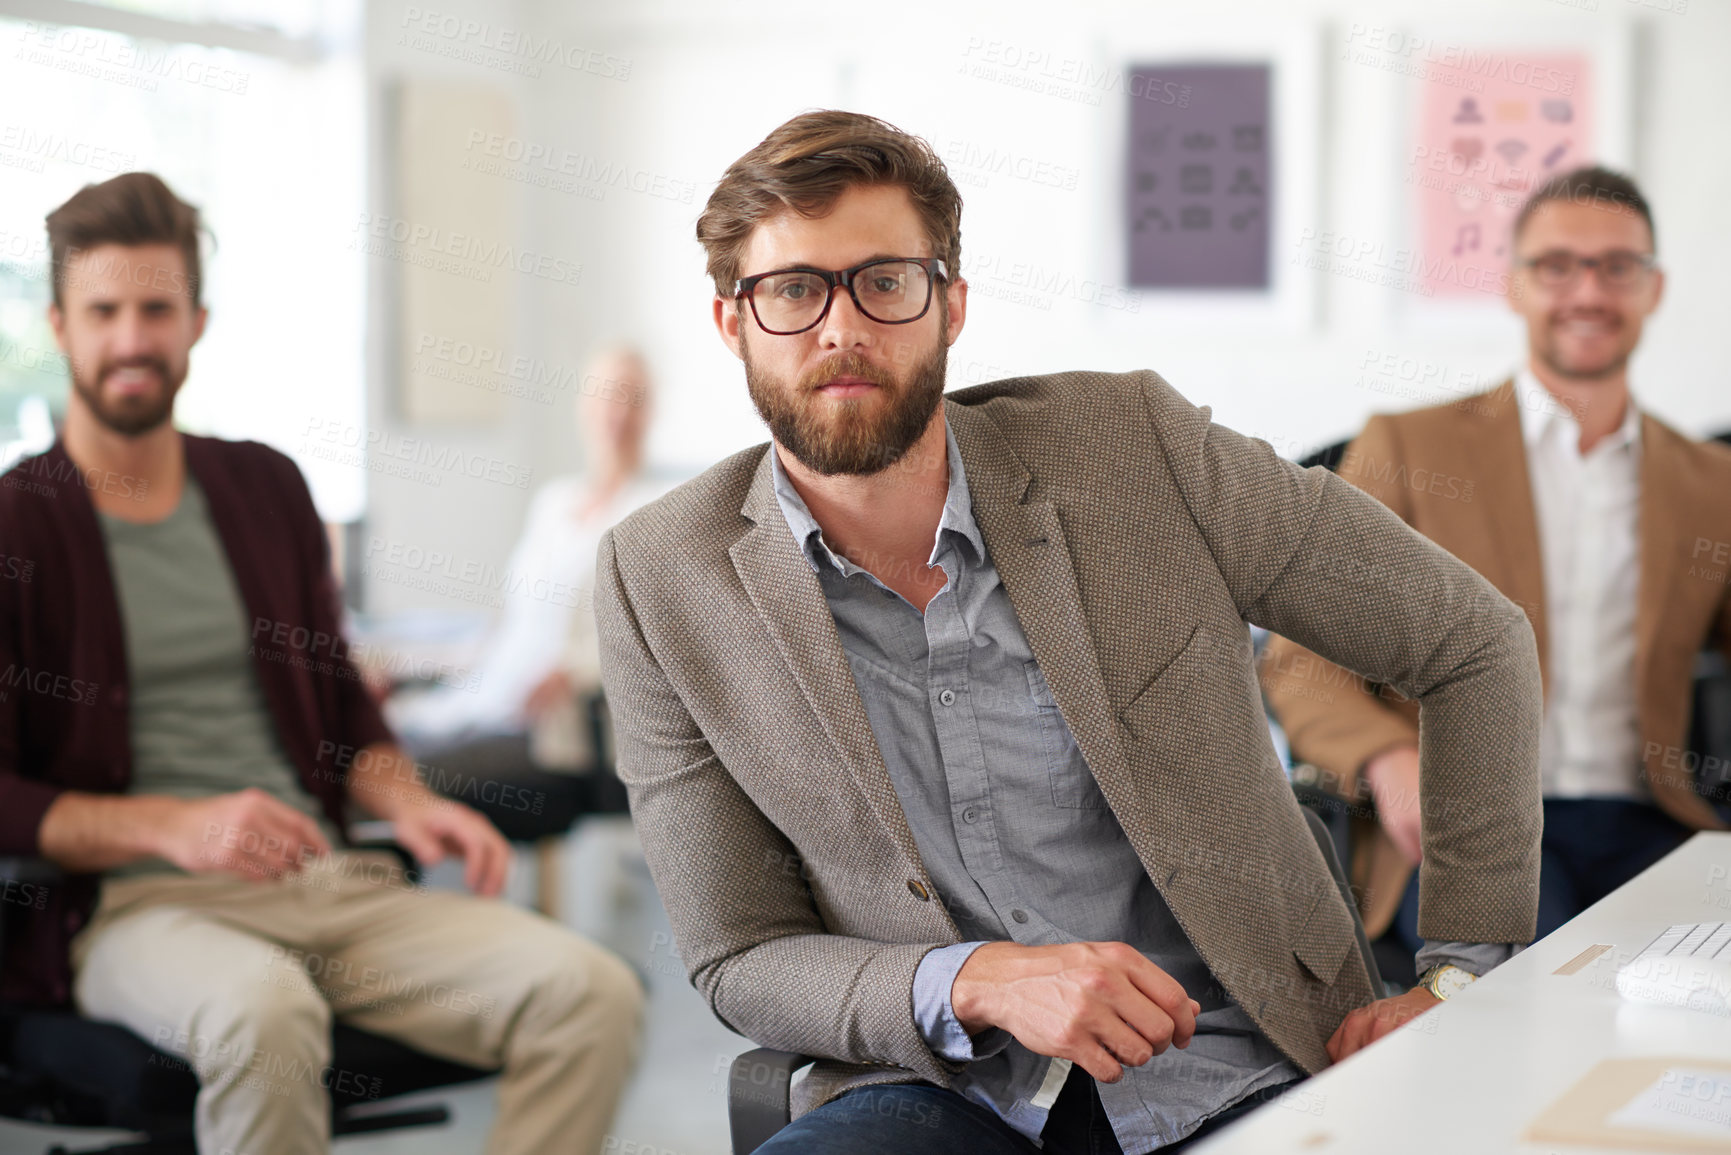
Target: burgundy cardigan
{"x": 63, "y": 679}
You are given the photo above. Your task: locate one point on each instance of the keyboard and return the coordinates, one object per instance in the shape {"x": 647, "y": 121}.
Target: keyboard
{"x": 1689, "y": 966}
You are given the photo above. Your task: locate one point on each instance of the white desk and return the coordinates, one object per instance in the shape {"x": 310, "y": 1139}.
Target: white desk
{"x": 1467, "y": 1077}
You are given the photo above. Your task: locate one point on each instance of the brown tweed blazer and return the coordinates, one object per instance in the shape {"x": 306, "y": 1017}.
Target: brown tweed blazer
{"x": 1457, "y": 473}
{"x": 1134, "y": 539}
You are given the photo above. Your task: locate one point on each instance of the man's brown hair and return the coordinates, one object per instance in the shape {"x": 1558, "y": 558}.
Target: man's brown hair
{"x": 1593, "y": 185}
{"x": 806, "y": 164}
{"x": 134, "y": 208}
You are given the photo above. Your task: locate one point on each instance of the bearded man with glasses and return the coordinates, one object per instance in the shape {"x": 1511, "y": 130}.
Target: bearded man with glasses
{"x": 1599, "y": 520}
{"x": 939, "y": 721}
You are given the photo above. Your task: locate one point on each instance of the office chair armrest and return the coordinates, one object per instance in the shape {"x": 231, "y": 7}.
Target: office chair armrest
{"x": 30, "y": 870}
{"x": 21, "y": 878}
{"x": 758, "y": 1103}
{"x": 592, "y": 706}
{"x": 375, "y": 835}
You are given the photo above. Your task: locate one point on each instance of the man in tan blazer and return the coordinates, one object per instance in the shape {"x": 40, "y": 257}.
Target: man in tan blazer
{"x": 1607, "y": 526}
{"x": 939, "y": 719}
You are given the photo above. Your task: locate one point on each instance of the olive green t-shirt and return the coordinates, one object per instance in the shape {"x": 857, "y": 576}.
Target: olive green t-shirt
{"x": 199, "y": 723}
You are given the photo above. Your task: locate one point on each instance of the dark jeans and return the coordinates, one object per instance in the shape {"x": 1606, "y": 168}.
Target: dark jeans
{"x": 920, "y": 1119}
{"x": 1591, "y": 847}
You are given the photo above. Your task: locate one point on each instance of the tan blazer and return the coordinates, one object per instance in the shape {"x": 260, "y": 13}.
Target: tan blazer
{"x": 1458, "y": 474}
{"x": 1134, "y": 539}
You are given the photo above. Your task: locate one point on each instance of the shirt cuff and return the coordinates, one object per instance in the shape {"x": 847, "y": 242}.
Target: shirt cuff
{"x": 1476, "y": 958}
{"x": 937, "y": 1020}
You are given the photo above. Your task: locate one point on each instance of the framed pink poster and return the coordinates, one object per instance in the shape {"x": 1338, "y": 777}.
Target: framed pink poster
{"x": 1492, "y": 127}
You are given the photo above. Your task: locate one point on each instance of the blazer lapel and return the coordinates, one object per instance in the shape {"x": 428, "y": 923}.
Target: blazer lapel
{"x": 789, "y": 599}
{"x": 1663, "y": 538}
{"x": 1025, "y": 540}
{"x": 1497, "y": 454}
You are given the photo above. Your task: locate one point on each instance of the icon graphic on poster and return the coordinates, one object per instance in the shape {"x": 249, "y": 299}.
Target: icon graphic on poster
{"x": 1247, "y": 137}
{"x": 1199, "y": 141}
{"x": 1196, "y": 180}
{"x": 1466, "y": 238}
{"x": 1145, "y": 182}
{"x": 1556, "y": 154}
{"x": 1153, "y": 214}
{"x": 1511, "y": 149}
{"x": 1468, "y": 112}
{"x": 1244, "y": 183}
{"x": 1195, "y": 217}
{"x": 1557, "y": 111}
{"x": 1241, "y": 220}
{"x": 1468, "y": 148}
{"x": 1155, "y": 141}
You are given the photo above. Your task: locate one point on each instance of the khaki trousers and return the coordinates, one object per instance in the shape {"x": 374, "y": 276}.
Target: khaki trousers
{"x": 242, "y": 980}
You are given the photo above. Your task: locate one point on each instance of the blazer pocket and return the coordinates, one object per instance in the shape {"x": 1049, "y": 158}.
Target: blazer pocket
{"x": 1158, "y": 701}
{"x": 1325, "y": 937}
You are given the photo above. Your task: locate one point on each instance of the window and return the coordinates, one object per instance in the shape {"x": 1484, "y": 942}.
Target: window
{"x": 267, "y": 140}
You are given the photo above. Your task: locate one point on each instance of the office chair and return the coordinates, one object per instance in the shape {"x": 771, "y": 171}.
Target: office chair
{"x": 1710, "y": 729}
{"x": 61, "y": 1069}
{"x": 1328, "y": 456}
{"x": 758, "y": 1083}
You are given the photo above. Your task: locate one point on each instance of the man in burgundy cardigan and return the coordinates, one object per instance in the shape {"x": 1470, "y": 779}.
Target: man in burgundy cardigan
{"x": 182, "y": 731}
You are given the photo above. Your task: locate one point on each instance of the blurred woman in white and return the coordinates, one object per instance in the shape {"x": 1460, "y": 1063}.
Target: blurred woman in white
{"x": 526, "y": 724}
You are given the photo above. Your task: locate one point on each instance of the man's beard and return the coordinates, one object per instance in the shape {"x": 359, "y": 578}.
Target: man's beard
{"x": 843, "y": 437}
{"x": 1551, "y": 353}
{"x": 132, "y": 415}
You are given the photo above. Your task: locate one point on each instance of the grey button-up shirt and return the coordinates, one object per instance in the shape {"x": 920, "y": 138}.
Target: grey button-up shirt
{"x": 1014, "y": 831}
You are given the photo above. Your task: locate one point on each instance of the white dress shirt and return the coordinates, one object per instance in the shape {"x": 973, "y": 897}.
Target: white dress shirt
{"x": 546, "y": 623}
{"x": 1587, "y": 509}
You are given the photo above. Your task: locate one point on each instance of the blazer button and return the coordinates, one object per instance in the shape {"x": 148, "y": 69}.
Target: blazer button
{"x": 918, "y": 889}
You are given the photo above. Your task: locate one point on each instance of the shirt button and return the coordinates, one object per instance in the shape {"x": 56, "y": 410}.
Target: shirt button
{"x": 918, "y": 889}
{"x": 948, "y": 697}
{"x": 970, "y": 815}
{"x": 1019, "y": 915}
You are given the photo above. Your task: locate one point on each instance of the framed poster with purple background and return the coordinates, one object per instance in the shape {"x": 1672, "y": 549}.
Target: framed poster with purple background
{"x": 1199, "y": 197}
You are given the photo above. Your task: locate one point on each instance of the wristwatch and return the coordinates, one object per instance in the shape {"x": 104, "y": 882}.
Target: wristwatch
{"x": 1445, "y": 980}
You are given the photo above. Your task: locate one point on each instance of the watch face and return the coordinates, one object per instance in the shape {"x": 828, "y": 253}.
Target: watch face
{"x": 1450, "y": 981}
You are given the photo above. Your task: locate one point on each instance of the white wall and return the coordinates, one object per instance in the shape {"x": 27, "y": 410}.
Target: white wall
{"x": 707, "y": 81}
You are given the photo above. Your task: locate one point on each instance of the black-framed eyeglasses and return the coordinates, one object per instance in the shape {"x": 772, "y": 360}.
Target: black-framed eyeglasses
{"x": 1559, "y": 268}
{"x": 889, "y": 290}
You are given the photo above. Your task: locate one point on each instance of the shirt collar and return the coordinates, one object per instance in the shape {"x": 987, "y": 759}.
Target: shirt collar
{"x": 1542, "y": 416}
{"x": 958, "y": 515}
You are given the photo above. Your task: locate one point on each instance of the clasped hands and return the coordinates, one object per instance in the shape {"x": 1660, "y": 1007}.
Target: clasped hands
{"x": 1104, "y": 1006}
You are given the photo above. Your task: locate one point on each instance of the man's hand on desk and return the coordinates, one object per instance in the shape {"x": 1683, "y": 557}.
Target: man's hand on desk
{"x": 1102, "y": 1005}
{"x": 1367, "y": 1024}
{"x": 1394, "y": 779}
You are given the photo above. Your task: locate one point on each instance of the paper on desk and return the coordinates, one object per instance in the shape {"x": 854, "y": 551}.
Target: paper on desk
{"x": 1681, "y": 1101}
{"x": 1656, "y": 1103}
